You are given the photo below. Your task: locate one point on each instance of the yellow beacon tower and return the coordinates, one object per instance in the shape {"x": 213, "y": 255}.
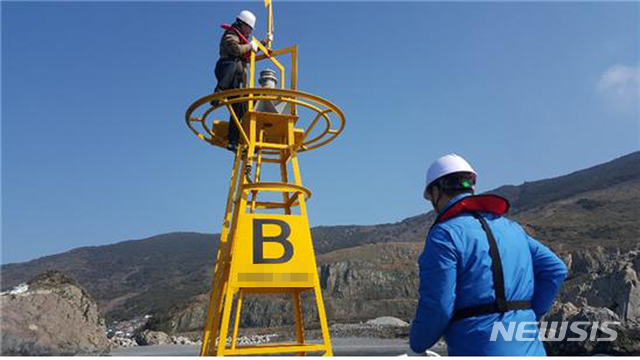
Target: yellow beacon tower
{"x": 265, "y": 244}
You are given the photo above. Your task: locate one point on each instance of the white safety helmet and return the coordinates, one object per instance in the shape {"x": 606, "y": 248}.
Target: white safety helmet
{"x": 247, "y": 17}
{"x": 445, "y": 165}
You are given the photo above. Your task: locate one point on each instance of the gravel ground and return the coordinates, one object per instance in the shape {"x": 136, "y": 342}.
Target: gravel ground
{"x": 341, "y": 347}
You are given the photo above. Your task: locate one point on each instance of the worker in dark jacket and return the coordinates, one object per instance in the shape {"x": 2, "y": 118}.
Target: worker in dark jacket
{"x": 478, "y": 269}
{"x": 235, "y": 51}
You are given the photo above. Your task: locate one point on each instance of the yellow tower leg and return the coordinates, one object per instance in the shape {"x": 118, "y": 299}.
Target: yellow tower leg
{"x": 221, "y": 265}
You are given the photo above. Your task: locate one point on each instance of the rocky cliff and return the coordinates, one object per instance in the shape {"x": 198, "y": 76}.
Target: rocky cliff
{"x": 364, "y": 282}
{"x": 51, "y": 315}
{"x": 604, "y": 278}
{"x": 357, "y": 283}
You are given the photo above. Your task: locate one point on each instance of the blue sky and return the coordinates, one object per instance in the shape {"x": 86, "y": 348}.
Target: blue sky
{"x": 95, "y": 149}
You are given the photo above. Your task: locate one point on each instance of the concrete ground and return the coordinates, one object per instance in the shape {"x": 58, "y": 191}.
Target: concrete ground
{"x": 341, "y": 347}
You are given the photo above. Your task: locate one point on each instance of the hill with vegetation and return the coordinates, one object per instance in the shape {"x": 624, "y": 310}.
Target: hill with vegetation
{"x": 595, "y": 209}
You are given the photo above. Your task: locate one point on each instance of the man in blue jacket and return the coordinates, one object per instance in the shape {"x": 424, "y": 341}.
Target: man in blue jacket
{"x": 478, "y": 269}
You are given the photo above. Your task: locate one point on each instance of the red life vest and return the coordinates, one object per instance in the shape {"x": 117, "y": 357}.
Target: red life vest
{"x": 473, "y": 203}
{"x": 243, "y": 40}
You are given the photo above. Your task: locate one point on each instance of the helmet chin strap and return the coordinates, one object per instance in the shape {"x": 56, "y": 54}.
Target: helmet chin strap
{"x": 435, "y": 202}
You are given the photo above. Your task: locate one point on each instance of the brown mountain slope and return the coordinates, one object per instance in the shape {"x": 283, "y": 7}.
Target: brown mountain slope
{"x": 162, "y": 274}
{"x": 131, "y": 277}
{"x": 604, "y": 217}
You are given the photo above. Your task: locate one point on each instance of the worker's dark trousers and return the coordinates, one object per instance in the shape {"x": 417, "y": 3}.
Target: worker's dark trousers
{"x": 229, "y": 73}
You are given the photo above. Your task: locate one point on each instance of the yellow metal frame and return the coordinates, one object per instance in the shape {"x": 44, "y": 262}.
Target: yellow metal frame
{"x": 265, "y": 139}
{"x": 334, "y": 125}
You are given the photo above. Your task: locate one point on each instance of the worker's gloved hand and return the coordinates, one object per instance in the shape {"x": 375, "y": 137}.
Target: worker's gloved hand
{"x": 264, "y": 42}
{"x": 254, "y": 46}
{"x": 269, "y": 37}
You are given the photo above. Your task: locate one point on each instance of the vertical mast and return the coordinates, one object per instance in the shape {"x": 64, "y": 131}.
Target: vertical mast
{"x": 269, "y": 6}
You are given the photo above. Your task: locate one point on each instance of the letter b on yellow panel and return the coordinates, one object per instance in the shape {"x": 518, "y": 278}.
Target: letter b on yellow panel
{"x": 273, "y": 251}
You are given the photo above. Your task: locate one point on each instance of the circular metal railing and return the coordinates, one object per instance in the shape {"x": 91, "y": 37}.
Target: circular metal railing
{"x": 200, "y": 119}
